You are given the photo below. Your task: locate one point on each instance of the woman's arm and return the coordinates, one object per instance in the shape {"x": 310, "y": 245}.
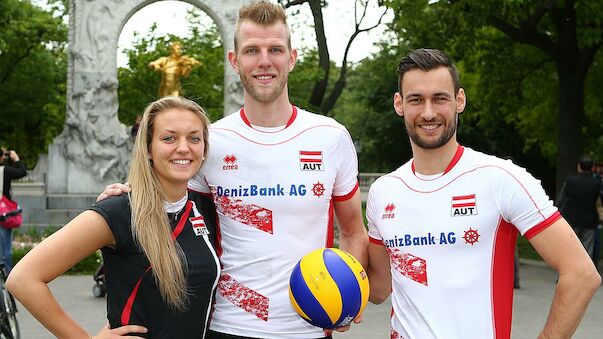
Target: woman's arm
{"x": 28, "y": 280}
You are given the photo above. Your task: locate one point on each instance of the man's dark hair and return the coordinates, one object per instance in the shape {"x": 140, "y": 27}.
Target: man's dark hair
{"x": 585, "y": 163}
{"x": 426, "y": 60}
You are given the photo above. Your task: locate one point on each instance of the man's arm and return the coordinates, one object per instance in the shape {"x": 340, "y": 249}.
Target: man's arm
{"x": 578, "y": 278}
{"x": 16, "y": 170}
{"x": 352, "y": 234}
{"x": 379, "y": 273}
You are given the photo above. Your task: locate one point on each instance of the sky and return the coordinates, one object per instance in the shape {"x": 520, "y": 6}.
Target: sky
{"x": 338, "y": 16}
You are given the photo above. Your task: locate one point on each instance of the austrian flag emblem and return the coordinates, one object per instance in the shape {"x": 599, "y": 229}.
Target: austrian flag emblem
{"x": 310, "y": 161}
{"x": 199, "y": 225}
{"x": 463, "y": 205}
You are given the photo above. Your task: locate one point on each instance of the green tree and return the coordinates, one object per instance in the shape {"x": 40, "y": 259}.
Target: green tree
{"x": 325, "y": 93}
{"x": 138, "y": 84}
{"x": 366, "y": 109}
{"x": 530, "y": 58}
{"x": 33, "y": 69}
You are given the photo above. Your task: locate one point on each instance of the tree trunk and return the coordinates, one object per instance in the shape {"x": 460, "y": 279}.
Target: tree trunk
{"x": 570, "y": 120}
{"x": 324, "y": 61}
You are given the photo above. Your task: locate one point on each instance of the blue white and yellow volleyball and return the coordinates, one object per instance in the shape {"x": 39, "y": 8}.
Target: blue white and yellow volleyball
{"x": 329, "y": 288}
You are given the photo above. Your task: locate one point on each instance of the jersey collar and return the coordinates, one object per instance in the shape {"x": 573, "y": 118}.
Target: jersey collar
{"x": 291, "y": 118}
{"x": 453, "y": 162}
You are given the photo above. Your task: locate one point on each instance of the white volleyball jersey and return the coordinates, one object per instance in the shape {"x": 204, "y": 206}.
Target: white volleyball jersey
{"x": 451, "y": 240}
{"x": 274, "y": 192}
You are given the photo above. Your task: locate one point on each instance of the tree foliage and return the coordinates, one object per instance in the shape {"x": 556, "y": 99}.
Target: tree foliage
{"x": 366, "y": 110}
{"x": 528, "y": 62}
{"x": 325, "y": 92}
{"x": 33, "y": 68}
{"x": 138, "y": 84}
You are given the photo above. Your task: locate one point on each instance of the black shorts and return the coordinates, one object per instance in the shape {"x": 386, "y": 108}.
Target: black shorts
{"x": 217, "y": 335}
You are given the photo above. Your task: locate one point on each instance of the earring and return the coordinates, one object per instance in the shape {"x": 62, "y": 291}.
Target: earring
{"x": 151, "y": 162}
{"x": 203, "y": 158}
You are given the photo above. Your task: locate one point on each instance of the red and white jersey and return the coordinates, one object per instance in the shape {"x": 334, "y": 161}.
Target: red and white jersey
{"x": 274, "y": 191}
{"x": 451, "y": 241}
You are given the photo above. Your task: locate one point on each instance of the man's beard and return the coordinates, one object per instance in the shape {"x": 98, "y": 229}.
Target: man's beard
{"x": 264, "y": 95}
{"x": 446, "y": 135}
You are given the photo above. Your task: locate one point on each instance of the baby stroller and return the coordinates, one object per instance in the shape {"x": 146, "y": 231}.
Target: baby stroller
{"x": 99, "y": 290}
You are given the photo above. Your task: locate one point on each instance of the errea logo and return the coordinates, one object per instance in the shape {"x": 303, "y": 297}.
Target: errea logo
{"x": 230, "y": 163}
{"x": 389, "y": 211}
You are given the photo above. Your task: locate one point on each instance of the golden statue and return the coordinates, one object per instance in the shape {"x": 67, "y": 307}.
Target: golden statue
{"x": 172, "y": 68}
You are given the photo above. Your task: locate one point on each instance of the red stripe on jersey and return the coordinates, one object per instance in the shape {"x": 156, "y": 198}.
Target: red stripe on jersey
{"x": 469, "y": 204}
{"x": 347, "y": 196}
{"x": 310, "y": 160}
{"x": 410, "y": 266}
{"x": 275, "y": 143}
{"x": 376, "y": 241}
{"x": 330, "y": 226}
{"x": 310, "y": 153}
{"x": 464, "y": 197}
{"x": 127, "y": 311}
{"x": 543, "y": 225}
{"x": 455, "y": 159}
{"x": 395, "y": 335}
{"x": 243, "y": 297}
{"x": 502, "y": 278}
{"x": 248, "y": 214}
{"x": 180, "y": 226}
{"x": 289, "y": 122}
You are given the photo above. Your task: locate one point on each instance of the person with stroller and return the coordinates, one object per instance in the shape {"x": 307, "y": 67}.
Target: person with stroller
{"x": 161, "y": 269}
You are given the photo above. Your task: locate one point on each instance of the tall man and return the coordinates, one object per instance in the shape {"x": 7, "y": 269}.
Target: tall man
{"x": 443, "y": 226}
{"x": 278, "y": 174}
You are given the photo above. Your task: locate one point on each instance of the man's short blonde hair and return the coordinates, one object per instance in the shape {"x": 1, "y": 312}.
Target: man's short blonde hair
{"x": 263, "y": 13}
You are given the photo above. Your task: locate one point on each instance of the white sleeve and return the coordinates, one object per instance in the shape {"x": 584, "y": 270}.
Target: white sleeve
{"x": 347, "y": 173}
{"x": 523, "y": 201}
{"x": 370, "y": 216}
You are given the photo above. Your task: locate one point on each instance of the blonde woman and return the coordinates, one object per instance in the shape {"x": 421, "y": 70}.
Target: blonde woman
{"x": 156, "y": 287}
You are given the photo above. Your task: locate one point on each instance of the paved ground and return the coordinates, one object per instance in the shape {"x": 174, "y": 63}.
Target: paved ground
{"x": 531, "y": 307}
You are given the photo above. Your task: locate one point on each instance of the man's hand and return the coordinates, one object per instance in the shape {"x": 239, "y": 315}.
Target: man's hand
{"x": 120, "y": 332}
{"x": 13, "y": 155}
{"x": 345, "y": 328}
{"x": 113, "y": 189}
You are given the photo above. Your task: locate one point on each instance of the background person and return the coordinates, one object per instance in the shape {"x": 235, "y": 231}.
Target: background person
{"x": 160, "y": 266}
{"x": 443, "y": 226}
{"x": 13, "y": 169}
{"x": 577, "y": 202}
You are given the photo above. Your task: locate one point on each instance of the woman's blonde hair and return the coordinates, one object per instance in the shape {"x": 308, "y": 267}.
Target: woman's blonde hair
{"x": 150, "y": 225}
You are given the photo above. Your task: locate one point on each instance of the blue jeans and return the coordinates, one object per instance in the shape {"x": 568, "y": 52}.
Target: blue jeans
{"x": 6, "y": 236}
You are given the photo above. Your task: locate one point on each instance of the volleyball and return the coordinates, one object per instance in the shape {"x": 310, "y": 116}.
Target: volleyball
{"x": 328, "y": 288}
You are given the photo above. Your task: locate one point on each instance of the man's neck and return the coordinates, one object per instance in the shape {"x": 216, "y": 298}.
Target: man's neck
{"x": 433, "y": 161}
{"x": 271, "y": 114}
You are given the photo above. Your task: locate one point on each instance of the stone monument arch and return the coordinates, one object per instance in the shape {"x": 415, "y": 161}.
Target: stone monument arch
{"x": 94, "y": 147}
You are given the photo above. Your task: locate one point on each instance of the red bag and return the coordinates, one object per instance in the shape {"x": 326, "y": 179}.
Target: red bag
{"x": 7, "y": 205}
